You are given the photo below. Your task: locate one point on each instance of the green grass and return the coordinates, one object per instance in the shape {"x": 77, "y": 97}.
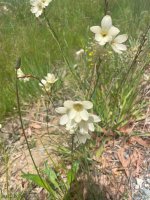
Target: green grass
{"x": 21, "y": 34}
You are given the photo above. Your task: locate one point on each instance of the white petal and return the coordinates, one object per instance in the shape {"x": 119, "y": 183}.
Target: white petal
{"x": 106, "y": 23}
{"x": 61, "y": 110}
{"x": 98, "y": 37}
{"x": 68, "y": 104}
{"x": 84, "y": 115}
{"x": 83, "y": 126}
{"x": 78, "y": 118}
{"x": 63, "y": 120}
{"x": 102, "y": 42}
{"x": 113, "y": 31}
{"x": 71, "y": 125}
{"x": 121, "y": 38}
{"x": 96, "y": 118}
{"x": 95, "y": 29}
{"x": 72, "y": 113}
{"x": 116, "y": 49}
{"x": 34, "y": 9}
{"x": 87, "y": 104}
{"x": 43, "y": 82}
{"x": 105, "y": 40}
{"x": 37, "y": 14}
{"x": 91, "y": 127}
{"x": 119, "y": 47}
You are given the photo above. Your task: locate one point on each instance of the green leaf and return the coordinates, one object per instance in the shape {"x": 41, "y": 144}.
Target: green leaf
{"x": 72, "y": 172}
{"x": 38, "y": 181}
{"x": 51, "y": 175}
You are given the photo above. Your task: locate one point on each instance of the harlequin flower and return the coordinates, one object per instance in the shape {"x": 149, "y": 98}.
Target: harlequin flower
{"x": 21, "y": 75}
{"x": 106, "y": 32}
{"x": 38, "y": 6}
{"x": 75, "y": 122}
{"x": 74, "y": 110}
{"x": 117, "y": 45}
{"x": 50, "y": 78}
{"x": 47, "y": 83}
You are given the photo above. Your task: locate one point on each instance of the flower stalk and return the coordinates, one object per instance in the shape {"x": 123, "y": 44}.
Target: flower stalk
{"x": 23, "y": 130}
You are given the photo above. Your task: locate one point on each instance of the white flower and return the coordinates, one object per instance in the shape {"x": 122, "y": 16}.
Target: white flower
{"x": 21, "y": 75}
{"x": 86, "y": 126}
{"x": 0, "y": 126}
{"x": 117, "y": 45}
{"x": 38, "y": 6}
{"x": 47, "y": 83}
{"x": 50, "y": 78}
{"x": 74, "y": 110}
{"x": 77, "y": 120}
{"x": 106, "y": 32}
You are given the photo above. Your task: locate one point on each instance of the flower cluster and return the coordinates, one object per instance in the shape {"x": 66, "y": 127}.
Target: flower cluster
{"x": 38, "y": 6}
{"x": 47, "y": 83}
{"x": 77, "y": 119}
{"x": 22, "y": 76}
{"x": 108, "y": 33}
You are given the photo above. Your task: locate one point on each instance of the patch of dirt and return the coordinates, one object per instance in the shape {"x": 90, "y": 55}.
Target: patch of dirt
{"x": 120, "y": 167}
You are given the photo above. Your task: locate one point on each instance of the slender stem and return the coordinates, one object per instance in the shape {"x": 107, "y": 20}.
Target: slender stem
{"x": 97, "y": 69}
{"x": 106, "y": 4}
{"x": 134, "y": 62}
{"x": 72, "y": 155}
{"x": 23, "y": 131}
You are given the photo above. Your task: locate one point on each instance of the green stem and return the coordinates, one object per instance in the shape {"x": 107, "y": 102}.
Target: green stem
{"x": 23, "y": 131}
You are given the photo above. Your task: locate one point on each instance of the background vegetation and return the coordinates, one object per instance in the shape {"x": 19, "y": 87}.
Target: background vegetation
{"x": 21, "y": 34}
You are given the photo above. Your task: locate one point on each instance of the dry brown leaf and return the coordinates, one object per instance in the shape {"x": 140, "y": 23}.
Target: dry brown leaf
{"x": 35, "y": 125}
{"x": 125, "y": 162}
{"x": 132, "y": 163}
{"x": 127, "y": 129}
{"x": 140, "y": 141}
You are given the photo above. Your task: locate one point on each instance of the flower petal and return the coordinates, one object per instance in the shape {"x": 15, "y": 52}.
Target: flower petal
{"x": 84, "y": 115}
{"x": 83, "y": 126}
{"x": 106, "y": 22}
{"x": 72, "y": 113}
{"x": 119, "y": 47}
{"x": 87, "y": 104}
{"x": 91, "y": 127}
{"x": 68, "y": 104}
{"x": 78, "y": 118}
{"x": 98, "y": 37}
{"x": 96, "y": 118}
{"x": 113, "y": 31}
{"x": 64, "y": 119}
{"x": 121, "y": 38}
{"x": 95, "y": 29}
{"x": 61, "y": 110}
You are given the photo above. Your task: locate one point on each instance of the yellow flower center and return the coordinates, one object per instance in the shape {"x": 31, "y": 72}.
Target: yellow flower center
{"x": 104, "y": 34}
{"x": 40, "y": 7}
{"x": 78, "y": 107}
